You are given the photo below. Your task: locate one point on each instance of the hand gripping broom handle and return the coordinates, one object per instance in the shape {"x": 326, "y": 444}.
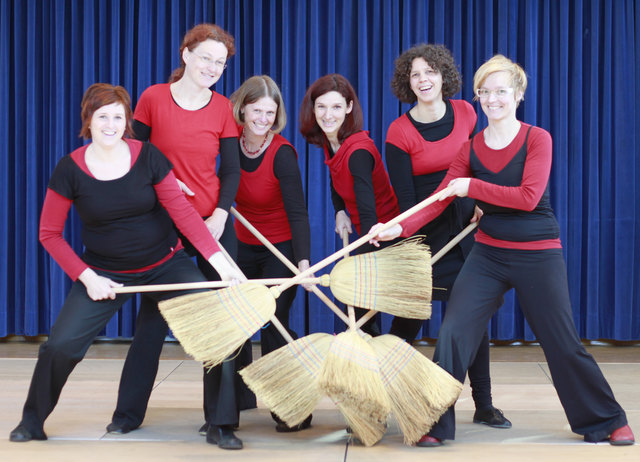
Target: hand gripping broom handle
{"x": 321, "y": 295}
{"x": 452, "y": 243}
{"x": 357, "y": 243}
{"x": 323, "y": 280}
{"x": 275, "y": 321}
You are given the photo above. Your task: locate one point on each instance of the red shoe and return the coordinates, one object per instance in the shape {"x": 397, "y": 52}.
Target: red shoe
{"x": 428, "y": 441}
{"x": 622, "y": 436}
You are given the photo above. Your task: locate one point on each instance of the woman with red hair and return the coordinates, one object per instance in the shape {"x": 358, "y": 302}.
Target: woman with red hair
{"x": 194, "y": 127}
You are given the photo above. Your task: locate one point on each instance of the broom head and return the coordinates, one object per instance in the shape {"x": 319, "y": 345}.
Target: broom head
{"x": 350, "y": 377}
{"x": 286, "y": 379}
{"x": 368, "y": 431}
{"x": 395, "y": 280}
{"x": 419, "y": 390}
{"x": 212, "y": 325}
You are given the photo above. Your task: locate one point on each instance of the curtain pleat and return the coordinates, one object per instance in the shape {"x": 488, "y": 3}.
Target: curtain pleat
{"x": 582, "y": 58}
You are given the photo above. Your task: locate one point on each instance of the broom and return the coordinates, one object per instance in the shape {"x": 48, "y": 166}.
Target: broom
{"x": 248, "y": 306}
{"x": 323, "y": 280}
{"x": 351, "y": 378}
{"x": 419, "y": 390}
{"x": 286, "y": 379}
{"x": 293, "y": 373}
{"x": 452, "y": 243}
{"x": 395, "y": 280}
{"x": 290, "y": 393}
{"x": 237, "y": 313}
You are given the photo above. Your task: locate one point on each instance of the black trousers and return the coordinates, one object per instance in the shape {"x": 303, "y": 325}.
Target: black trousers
{"x": 224, "y": 391}
{"x": 256, "y": 261}
{"x": 77, "y": 325}
{"x": 540, "y": 280}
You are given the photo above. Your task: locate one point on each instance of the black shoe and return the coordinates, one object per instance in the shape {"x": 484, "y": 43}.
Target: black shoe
{"x": 115, "y": 428}
{"x": 282, "y": 427}
{"x": 21, "y": 434}
{"x": 492, "y": 417}
{"x": 223, "y": 436}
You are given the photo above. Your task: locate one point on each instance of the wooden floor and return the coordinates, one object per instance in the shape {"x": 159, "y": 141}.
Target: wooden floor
{"x": 521, "y": 388}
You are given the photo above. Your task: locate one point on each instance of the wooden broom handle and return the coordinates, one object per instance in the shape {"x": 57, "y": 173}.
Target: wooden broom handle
{"x": 294, "y": 269}
{"x": 323, "y": 281}
{"x": 350, "y": 310}
{"x": 357, "y": 243}
{"x": 274, "y": 320}
{"x": 452, "y": 243}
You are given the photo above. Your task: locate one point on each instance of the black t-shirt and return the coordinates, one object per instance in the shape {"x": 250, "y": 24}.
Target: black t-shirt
{"x": 124, "y": 225}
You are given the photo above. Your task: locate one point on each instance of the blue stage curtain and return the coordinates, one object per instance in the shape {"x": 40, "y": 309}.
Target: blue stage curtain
{"x": 581, "y": 57}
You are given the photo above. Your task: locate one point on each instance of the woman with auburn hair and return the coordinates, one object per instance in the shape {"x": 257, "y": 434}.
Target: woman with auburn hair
{"x": 506, "y": 169}
{"x": 194, "y": 127}
{"x": 331, "y": 118}
{"x": 127, "y": 197}
{"x": 420, "y": 145}
{"x": 271, "y": 198}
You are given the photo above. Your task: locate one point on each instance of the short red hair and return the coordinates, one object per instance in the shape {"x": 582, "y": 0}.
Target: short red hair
{"x": 353, "y": 121}
{"x": 102, "y": 94}
{"x": 198, "y": 34}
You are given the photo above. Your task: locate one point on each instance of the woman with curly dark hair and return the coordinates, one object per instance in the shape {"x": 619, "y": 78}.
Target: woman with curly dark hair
{"x": 420, "y": 145}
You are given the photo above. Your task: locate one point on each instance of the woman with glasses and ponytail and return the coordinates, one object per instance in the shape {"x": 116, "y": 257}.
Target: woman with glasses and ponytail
{"x": 194, "y": 127}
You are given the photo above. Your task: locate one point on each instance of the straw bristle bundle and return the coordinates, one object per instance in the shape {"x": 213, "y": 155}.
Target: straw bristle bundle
{"x": 395, "y": 280}
{"x": 212, "y": 325}
{"x": 368, "y": 431}
{"x": 286, "y": 379}
{"x": 350, "y": 376}
{"x": 420, "y": 391}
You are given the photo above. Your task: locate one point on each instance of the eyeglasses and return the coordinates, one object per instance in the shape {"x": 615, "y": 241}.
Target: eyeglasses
{"x": 483, "y": 93}
{"x": 209, "y": 61}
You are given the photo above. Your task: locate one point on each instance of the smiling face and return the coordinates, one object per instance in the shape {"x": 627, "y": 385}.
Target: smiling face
{"x": 108, "y": 124}
{"x": 425, "y": 81}
{"x": 205, "y": 64}
{"x": 500, "y": 100}
{"x": 260, "y": 116}
{"x": 330, "y": 110}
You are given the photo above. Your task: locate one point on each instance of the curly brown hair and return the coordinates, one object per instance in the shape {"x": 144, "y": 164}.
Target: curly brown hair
{"x": 438, "y": 57}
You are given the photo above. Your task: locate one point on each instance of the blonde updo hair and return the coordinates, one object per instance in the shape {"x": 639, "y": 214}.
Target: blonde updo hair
{"x": 254, "y": 88}
{"x": 500, "y": 63}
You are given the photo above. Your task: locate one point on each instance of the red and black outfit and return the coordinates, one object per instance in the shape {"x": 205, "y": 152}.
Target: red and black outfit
{"x": 418, "y": 156}
{"x": 192, "y": 140}
{"x": 271, "y": 198}
{"x": 360, "y": 185}
{"x": 518, "y": 246}
{"x": 128, "y": 234}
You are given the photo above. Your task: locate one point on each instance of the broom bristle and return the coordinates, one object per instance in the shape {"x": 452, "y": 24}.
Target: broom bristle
{"x": 350, "y": 376}
{"x": 286, "y": 379}
{"x": 212, "y": 325}
{"x": 368, "y": 431}
{"x": 419, "y": 390}
{"x": 395, "y": 280}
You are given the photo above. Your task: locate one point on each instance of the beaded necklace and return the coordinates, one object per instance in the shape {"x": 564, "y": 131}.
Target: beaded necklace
{"x": 252, "y": 153}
